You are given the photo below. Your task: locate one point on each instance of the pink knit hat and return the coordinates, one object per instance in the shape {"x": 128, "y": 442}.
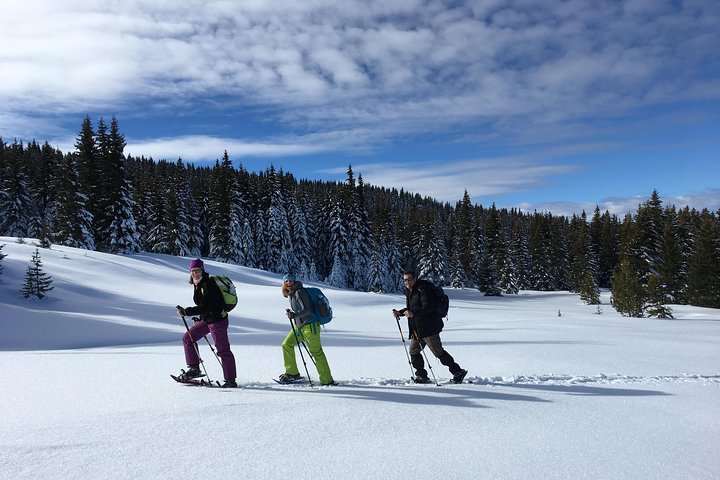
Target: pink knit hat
{"x": 197, "y": 263}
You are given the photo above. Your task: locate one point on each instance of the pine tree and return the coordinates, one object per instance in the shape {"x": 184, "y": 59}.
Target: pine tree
{"x": 340, "y": 270}
{"x": 505, "y": 261}
{"x": 433, "y": 265}
{"x": 359, "y": 228}
{"x": 37, "y": 283}
{"x": 72, "y": 222}
{"x": 15, "y": 197}
{"x": 649, "y": 226}
{"x": 628, "y": 296}
{"x": 670, "y": 266}
{"x": 656, "y": 300}
{"x": 589, "y": 291}
{"x": 541, "y": 271}
{"x": 279, "y": 245}
{"x": 604, "y": 245}
{"x": 520, "y": 253}
{"x": 463, "y": 227}
{"x": 299, "y": 238}
{"x": 118, "y": 228}
{"x": 89, "y": 174}
{"x": 704, "y": 266}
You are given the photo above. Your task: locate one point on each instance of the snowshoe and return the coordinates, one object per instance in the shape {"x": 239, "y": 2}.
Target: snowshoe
{"x": 459, "y": 376}
{"x": 289, "y": 378}
{"x": 192, "y": 372}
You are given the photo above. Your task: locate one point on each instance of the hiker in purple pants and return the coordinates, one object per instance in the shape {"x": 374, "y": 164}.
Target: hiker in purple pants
{"x": 213, "y": 319}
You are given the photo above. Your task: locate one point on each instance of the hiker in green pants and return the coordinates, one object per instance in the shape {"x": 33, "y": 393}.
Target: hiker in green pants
{"x": 304, "y": 330}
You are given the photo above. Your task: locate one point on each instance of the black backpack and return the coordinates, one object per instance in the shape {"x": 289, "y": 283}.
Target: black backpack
{"x": 442, "y": 302}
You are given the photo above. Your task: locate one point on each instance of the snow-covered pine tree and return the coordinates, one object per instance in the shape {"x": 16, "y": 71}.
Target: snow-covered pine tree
{"x": 42, "y": 164}
{"x": 648, "y": 229}
{"x": 541, "y": 272}
{"x": 433, "y": 262}
{"x": 299, "y": 237}
{"x": 520, "y": 253}
{"x": 463, "y": 227}
{"x": 89, "y": 175}
{"x": 118, "y": 228}
{"x": 247, "y": 244}
{"x": 71, "y": 221}
{"x": 224, "y": 217}
{"x": 15, "y": 198}
{"x": 359, "y": 248}
{"x": 341, "y": 268}
{"x": 37, "y": 282}
{"x": 122, "y": 233}
{"x": 277, "y": 233}
{"x": 507, "y": 280}
{"x": 242, "y": 231}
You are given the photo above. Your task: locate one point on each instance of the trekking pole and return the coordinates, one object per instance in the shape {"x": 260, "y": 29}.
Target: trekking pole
{"x": 407, "y": 354}
{"x": 422, "y": 349}
{"x": 197, "y": 349}
{"x": 308, "y": 352}
{"x": 297, "y": 339}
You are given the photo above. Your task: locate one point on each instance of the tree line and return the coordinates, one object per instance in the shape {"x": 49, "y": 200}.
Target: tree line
{"x": 350, "y": 234}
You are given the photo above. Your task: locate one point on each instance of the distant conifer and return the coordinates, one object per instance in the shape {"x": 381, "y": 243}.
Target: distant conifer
{"x": 37, "y": 283}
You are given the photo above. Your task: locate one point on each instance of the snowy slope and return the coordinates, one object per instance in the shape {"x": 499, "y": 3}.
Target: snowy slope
{"x": 560, "y": 391}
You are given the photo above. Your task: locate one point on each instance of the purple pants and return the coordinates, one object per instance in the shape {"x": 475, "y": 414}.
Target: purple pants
{"x": 219, "y": 331}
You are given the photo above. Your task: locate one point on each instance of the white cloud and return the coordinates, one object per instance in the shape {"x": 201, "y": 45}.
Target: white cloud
{"x": 197, "y": 148}
{"x": 447, "y": 181}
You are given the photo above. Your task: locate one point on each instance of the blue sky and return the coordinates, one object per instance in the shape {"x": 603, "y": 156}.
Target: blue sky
{"x": 549, "y": 105}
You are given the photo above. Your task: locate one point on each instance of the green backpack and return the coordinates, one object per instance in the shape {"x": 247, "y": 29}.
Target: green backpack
{"x": 227, "y": 289}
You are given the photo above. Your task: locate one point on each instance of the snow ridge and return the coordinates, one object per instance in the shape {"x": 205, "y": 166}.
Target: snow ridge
{"x": 563, "y": 379}
{"x": 544, "y": 379}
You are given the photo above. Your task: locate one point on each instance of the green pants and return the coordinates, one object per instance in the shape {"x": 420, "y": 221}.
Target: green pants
{"x": 311, "y": 335}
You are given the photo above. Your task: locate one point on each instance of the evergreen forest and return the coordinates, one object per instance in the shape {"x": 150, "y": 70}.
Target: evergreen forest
{"x": 349, "y": 234}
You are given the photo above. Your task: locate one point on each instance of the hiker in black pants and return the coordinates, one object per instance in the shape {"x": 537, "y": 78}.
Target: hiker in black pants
{"x": 425, "y": 325}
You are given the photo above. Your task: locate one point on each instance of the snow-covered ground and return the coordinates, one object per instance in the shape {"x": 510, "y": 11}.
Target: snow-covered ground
{"x": 560, "y": 390}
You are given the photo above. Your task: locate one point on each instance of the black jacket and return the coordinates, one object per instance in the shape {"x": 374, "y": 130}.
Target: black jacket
{"x": 209, "y": 301}
{"x": 421, "y": 300}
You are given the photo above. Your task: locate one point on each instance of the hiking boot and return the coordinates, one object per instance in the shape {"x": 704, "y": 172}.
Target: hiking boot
{"x": 229, "y": 384}
{"x": 419, "y": 379}
{"x": 459, "y": 376}
{"x": 193, "y": 371}
{"x": 329, "y": 384}
{"x": 289, "y": 377}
